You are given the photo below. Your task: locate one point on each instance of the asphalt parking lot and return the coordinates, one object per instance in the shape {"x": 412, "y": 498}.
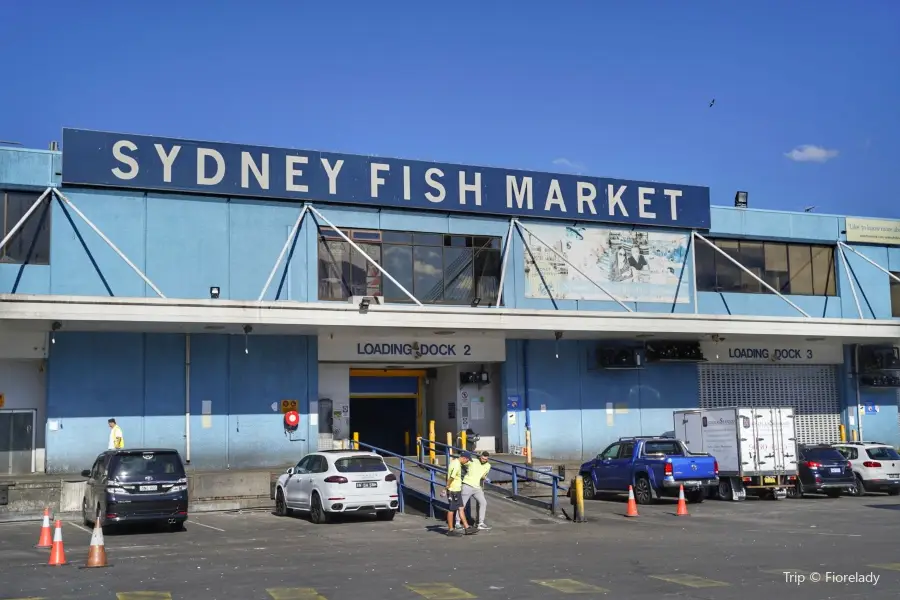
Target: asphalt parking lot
{"x": 722, "y": 550}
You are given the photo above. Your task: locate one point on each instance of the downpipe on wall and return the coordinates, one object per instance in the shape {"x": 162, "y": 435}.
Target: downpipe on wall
{"x": 528, "y": 460}
{"x": 858, "y": 415}
{"x": 187, "y": 398}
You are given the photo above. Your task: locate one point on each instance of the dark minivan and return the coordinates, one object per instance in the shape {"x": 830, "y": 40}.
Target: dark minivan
{"x": 142, "y": 485}
{"x": 822, "y": 469}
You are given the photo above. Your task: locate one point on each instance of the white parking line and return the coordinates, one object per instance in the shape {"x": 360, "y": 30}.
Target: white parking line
{"x": 207, "y": 526}
{"x": 81, "y": 527}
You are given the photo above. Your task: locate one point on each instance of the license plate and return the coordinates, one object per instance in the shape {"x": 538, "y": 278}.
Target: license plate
{"x": 893, "y": 475}
{"x": 148, "y": 488}
{"x": 367, "y": 484}
{"x": 769, "y": 480}
{"x": 690, "y": 483}
{"x": 835, "y": 470}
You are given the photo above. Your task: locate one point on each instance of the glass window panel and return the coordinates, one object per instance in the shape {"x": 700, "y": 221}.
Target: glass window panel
{"x": 459, "y": 241}
{"x": 486, "y": 242}
{"x": 334, "y": 262}
{"x": 31, "y": 244}
{"x": 800, "y": 263}
{"x": 428, "y": 273}
{"x": 396, "y": 237}
{"x": 823, "y": 271}
{"x": 487, "y": 275}
{"x": 706, "y": 266}
{"x": 728, "y": 275}
{"x": 459, "y": 279}
{"x": 398, "y": 261}
{"x": 775, "y": 267}
{"x": 753, "y": 259}
{"x": 895, "y": 296}
{"x": 366, "y": 277}
{"x": 428, "y": 239}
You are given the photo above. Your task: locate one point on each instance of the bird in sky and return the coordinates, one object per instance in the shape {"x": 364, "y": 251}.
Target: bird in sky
{"x": 713, "y": 102}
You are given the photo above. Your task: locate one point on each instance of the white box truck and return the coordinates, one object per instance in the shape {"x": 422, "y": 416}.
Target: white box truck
{"x": 756, "y": 448}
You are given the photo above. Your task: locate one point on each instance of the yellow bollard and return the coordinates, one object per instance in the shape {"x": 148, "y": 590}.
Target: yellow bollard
{"x": 406, "y": 442}
{"x": 355, "y": 440}
{"x": 528, "y": 461}
{"x": 462, "y": 440}
{"x": 450, "y": 442}
{"x": 853, "y": 434}
{"x": 431, "y": 441}
{"x": 842, "y": 431}
{"x": 579, "y": 500}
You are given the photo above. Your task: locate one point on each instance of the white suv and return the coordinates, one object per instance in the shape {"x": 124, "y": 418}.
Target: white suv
{"x": 876, "y": 466}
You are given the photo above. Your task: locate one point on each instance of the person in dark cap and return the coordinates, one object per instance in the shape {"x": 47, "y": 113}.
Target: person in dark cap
{"x": 454, "y": 494}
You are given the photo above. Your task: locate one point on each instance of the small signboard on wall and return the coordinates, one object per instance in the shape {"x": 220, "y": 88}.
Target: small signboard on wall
{"x": 451, "y": 410}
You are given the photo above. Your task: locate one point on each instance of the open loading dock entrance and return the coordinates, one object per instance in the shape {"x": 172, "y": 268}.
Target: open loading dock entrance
{"x": 386, "y": 407}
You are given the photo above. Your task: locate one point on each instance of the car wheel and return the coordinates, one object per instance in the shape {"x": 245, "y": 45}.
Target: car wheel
{"x": 84, "y": 516}
{"x": 893, "y": 492}
{"x": 177, "y": 526}
{"x": 643, "y": 494}
{"x": 860, "y": 489}
{"x": 725, "y": 492}
{"x": 798, "y": 490}
{"x": 385, "y": 515}
{"x": 281, "y": 508}
{"x": 588, "y": 487}
{"x": 695, "y": 496}
{"x": 317, "y": 512}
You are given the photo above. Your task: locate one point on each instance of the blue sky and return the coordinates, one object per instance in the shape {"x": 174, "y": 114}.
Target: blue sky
{"x": 608, "y": 90}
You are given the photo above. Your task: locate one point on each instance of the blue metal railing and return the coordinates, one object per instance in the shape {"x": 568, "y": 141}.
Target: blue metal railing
{"x": 514, "y": 469}
{"x": 432, "y": 498}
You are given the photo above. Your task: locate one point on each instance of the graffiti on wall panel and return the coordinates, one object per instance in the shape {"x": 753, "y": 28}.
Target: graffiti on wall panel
{"x": 633, "y": 266}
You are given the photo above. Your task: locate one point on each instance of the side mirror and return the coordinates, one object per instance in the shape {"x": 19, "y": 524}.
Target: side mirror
{"x": 86, "y": 473}
{"x": 290, "y": 471}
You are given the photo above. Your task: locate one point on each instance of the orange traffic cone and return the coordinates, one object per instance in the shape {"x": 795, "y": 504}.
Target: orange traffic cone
{"x": 46, "y": 539}
{"x": 97, "y": 552}
{"x": 57, "y": 553}
{"x": 682, "y": 505}
{"x": 632, "y": 505}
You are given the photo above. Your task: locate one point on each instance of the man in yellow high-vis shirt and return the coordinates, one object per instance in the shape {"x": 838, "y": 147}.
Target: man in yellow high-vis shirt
{"x": 116, "y": 438}
{"x": 454, "y": 494}
{"x": 473, "y": 486}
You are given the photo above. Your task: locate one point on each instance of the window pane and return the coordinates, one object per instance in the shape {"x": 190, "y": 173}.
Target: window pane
{"x": 895, "y": 296}
{"x": 706, "y": 266}
{"x": 753, "y": 259}
{"x": 428, "y": 273}
{"x": 31, "y": 244}
{"x": 428, "y": 239}
{"x": 728, "y": 275}
{"x": 775, "y": 266}
{"x": 366, "y": 279}
{"x": 486, "y": 242}
{"x": 823, "y": 271}
{"x": 800, "y": 263}
{"x": 487, "y": 275}
{"x": 459, "y": 280}
{"x": 396, "y": 237}
{"x": 334, "y": 262}
{"x": 398, "y": 261}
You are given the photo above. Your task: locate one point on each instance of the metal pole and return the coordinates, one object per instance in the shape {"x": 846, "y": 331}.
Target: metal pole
{"x": 284, "y": 250}
{"x": 751, "y": 274}
{"x": 506, "y": 249}
{"x": 366, "y": 256}
{"x": 115, "y": 248}
{"x": 870, "y": 261}
{"x": 850, "y": 279}
{"x": 694, "y": 272}
{"x": 577, "y": 270}
{"x": 24, "y": 218}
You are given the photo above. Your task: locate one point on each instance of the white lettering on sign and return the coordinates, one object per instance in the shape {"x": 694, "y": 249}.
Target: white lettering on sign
{"x": 410, "y": 350}
{"x": 773, "y": 353}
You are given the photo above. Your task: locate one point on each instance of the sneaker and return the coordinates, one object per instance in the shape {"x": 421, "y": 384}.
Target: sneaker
{"x": 483, "y": 526}
{"x": 455, "y": 532}
{"x": 471, "y": 531}
{"x": 459, "y": 525}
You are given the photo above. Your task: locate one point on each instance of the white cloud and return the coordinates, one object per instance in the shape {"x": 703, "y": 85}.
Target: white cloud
{"x": 571, "y": 165}
{"x": 811, "y": 153}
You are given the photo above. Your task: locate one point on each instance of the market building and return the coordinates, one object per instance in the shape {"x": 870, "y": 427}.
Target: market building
{"x": 195, "y": 291}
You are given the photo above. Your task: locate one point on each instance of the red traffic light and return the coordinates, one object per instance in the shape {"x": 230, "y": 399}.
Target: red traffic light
{"x": 291, "y": 419}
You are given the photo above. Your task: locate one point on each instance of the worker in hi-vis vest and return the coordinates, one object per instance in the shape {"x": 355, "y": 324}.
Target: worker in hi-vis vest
{"x": 116, "y": 439}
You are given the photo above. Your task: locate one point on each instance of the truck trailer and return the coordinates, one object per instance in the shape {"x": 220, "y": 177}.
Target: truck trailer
{"x": 756, "y": 448}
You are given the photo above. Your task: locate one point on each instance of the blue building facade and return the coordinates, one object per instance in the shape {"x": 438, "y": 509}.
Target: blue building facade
{"x": 209, "y": 367}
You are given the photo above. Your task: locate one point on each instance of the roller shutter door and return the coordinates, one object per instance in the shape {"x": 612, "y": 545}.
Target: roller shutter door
{"x": 811, "y": 390}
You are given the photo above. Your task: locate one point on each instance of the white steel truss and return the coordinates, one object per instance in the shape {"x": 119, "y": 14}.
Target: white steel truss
{"x": 522, "y": 228}
{"x": 748, "y": 272}
{"x": 63, "y": 200}
{"x": 842, "y": 246}
{"x": 505, "y": 260}
{"x": 284, "y": 249}
{"x": 850, "y": 279}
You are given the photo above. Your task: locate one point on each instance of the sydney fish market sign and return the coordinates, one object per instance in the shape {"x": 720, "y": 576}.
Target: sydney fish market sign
{"x": 94, "y": 158}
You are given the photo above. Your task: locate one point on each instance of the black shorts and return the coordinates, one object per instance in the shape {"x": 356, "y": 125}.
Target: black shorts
{"x": 455, "y": 499}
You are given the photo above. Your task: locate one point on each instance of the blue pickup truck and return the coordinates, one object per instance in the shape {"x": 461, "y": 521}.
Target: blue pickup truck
{"x": 655, "y": 466}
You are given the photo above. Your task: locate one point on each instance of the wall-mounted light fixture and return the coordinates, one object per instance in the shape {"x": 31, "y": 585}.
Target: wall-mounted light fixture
{"x": 247, "y": 330}
{"x": 476, "y": 302}
{"x": 53, "y": 329}
{"x": 214, "y": 292}
{"x": 740, "y": 199}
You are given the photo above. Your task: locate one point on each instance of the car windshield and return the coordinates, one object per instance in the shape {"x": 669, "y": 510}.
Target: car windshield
{"x": 152, "y": 465}
{"x": 883, "y": 453}
{"x": 823, "y": 455}
{"x": 360, "y": 464}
